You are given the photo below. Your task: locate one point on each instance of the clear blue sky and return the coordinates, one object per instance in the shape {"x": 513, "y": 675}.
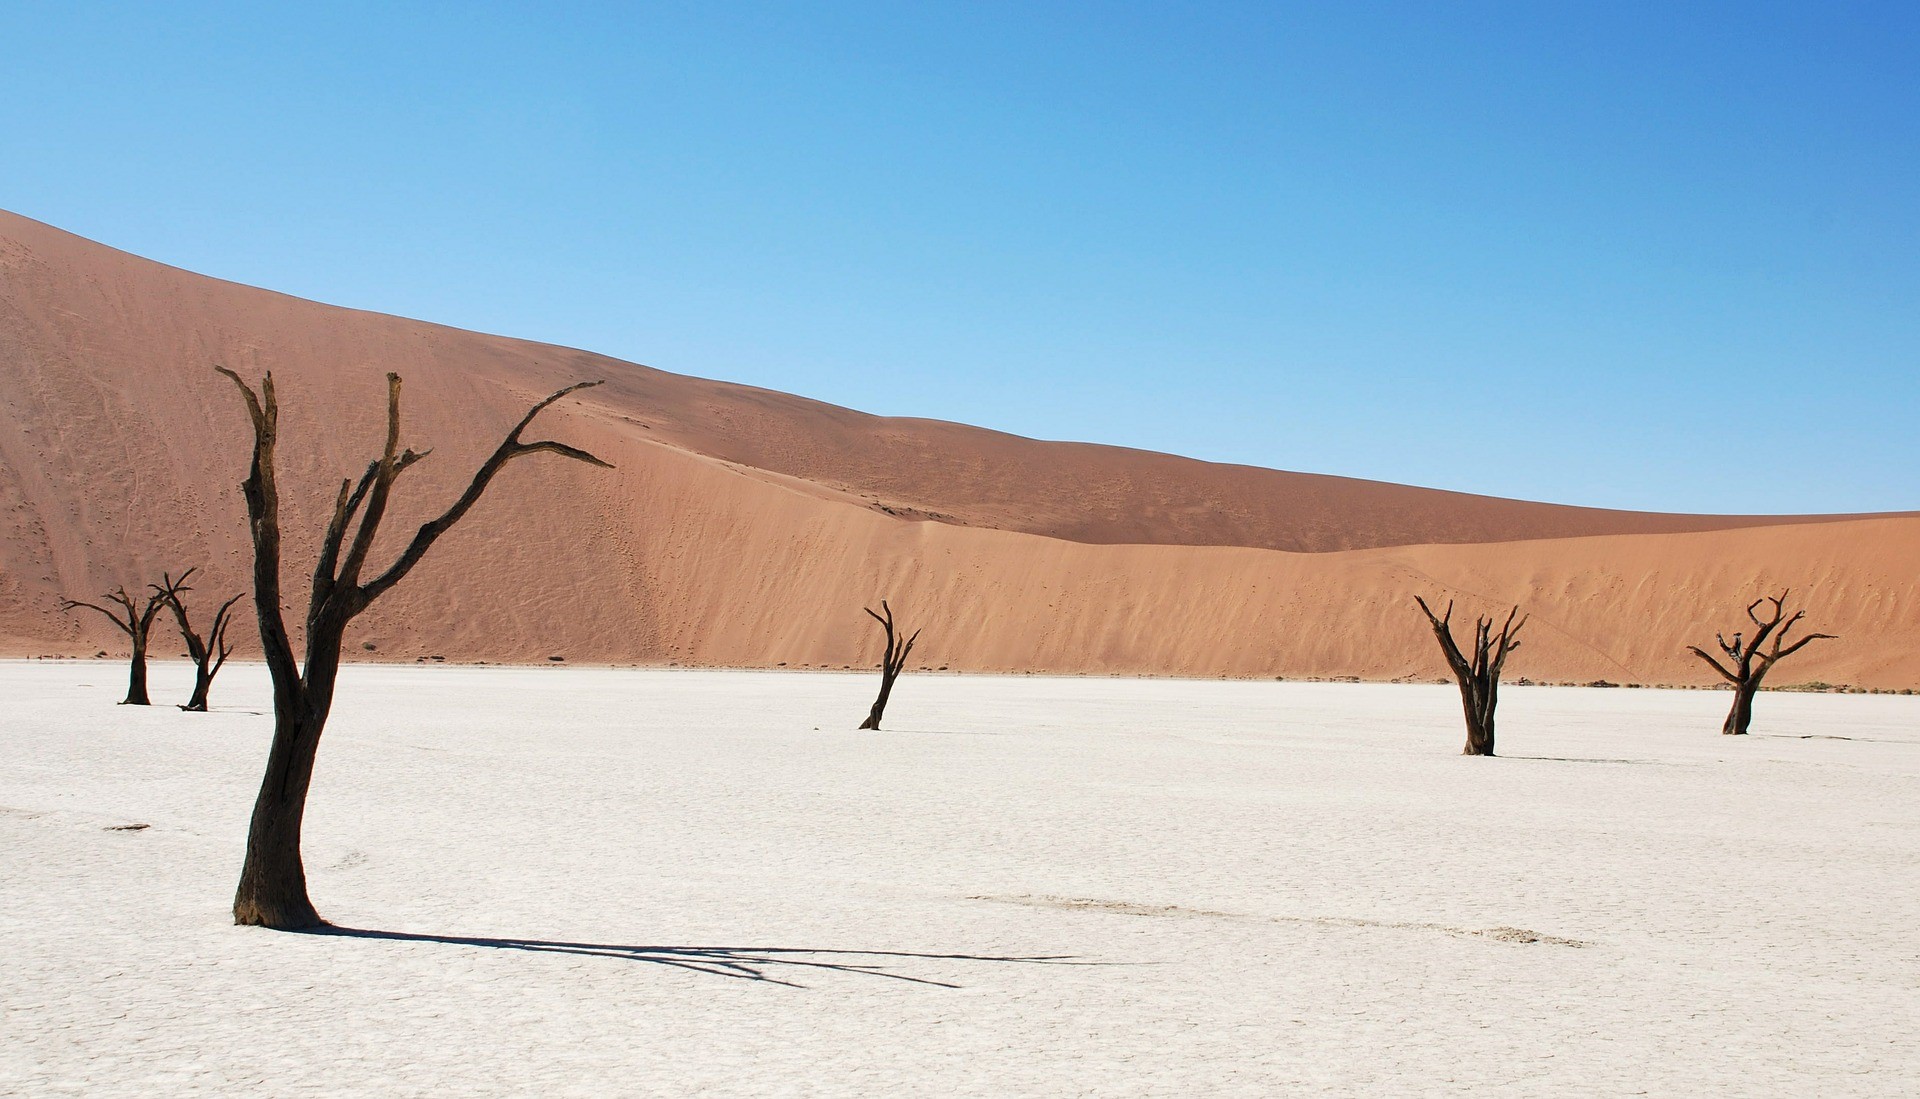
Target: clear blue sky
{"x": 1634, "y": 255}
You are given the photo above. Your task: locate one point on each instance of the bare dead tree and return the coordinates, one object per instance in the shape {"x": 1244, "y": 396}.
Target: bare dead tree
{"x": 273, "y": 882}
{"x": 1750, "y": 661}
{"x": 1479, "y": 677}
{"x": 209, "y": 653}
{"x": 892, "y": 663}
{"x": 136, "y": 624}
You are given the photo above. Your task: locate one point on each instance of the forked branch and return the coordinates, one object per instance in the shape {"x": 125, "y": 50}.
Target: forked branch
{"x": 127, "y": 607}
{"x": 510, "y": 448}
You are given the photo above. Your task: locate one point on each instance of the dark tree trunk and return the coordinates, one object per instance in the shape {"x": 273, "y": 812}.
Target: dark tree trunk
{"x": 1741, "y": 715}
{"x": 137, "y": 675}
{"x": 1480, "y": 711}
{"x": 892, "y": 662}
{"x": 273, "y": 881}
{"x": 880, "y": 704}
{"x": 202, "y": 686}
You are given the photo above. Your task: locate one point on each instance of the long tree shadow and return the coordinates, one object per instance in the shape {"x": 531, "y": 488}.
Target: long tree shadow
{"x": 1824, "y": 736}
{"x": 750, "y": 963}
{"x": 1585, "y": 759}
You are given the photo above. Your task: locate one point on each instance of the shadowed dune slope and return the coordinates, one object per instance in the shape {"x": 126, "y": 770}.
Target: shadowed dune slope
{"x": 746, "y": 527}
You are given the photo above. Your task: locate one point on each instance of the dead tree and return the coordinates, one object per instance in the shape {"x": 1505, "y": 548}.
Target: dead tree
{"x": 892, "y": 663}
{"x": 136, "y": 624}
{"x": 1749, "y": 662}
{"x": 273, "y": 882}
{"x": 209, "y": 653}
{"x": 1479, "y": 677}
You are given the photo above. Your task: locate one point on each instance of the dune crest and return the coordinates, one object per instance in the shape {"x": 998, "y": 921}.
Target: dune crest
{"x": 747, "y": 527}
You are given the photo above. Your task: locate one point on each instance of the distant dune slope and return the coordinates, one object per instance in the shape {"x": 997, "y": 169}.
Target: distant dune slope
{"x": 745, "y": 527}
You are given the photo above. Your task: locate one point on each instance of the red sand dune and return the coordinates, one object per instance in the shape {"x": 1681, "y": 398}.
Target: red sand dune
{"x": 746, "y": 527}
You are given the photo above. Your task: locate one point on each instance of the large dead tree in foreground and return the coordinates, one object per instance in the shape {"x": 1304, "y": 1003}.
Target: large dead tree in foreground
{"x": 273, "y": 883}
{"x": 1750, "y": 661}
{"x": 892, "y": 663}
{"x": 136, "y": 624}
{"x": 1479, "y": 677}
{"x": 209, "y": 653}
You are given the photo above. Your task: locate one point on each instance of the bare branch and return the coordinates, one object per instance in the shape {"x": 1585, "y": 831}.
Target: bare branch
{"x": 514, "y": 435}
{"x": 1507, "y": 643}
{"x": 217, "y": 636}
{"x": 1787, "y": 627}
{"x": 430, "y": 532}
{"x": 380, "y": 476}
{"x": 263, "y": 422}
{"x": 1715, "y": 664}
{"x": 126, "y": 626}
{"x": 1800, "y": 644}
{"x": 1443, "y": 632}
{"x": 263, "y": 518}
{"x": 170, "y": 588}
{"x": 548, "y": 446}
{"x": 345, "y": 503}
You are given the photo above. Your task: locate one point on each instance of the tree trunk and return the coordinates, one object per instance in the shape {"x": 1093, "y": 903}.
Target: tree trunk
{"x": 273, "y": 881}
{"x": 137, "y": 675}
{"x": 1741, "y": 715}
{"x": 202, "y": 685}
{"x": 1479, "y": 736}
{"x": 1479, "y": 720}
{"x": 879, "y": 704}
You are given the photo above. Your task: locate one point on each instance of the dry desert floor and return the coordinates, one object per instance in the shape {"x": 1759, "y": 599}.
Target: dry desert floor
{"x": 564, "y": 881}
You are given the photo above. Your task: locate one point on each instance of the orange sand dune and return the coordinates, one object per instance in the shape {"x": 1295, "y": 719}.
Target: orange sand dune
{"x": 746, "y": 527}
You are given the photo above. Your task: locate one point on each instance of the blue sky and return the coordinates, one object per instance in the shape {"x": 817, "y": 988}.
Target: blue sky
{"x": 1659, "y": 256}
